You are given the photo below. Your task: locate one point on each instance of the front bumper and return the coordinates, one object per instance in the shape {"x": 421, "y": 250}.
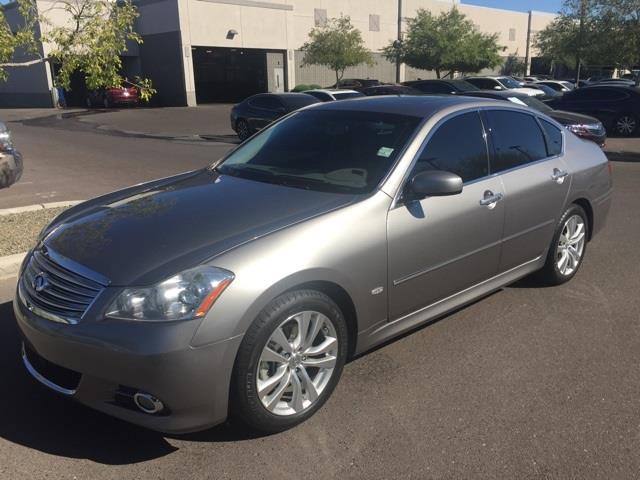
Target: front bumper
{"x": 11, "y": 168}
{"x": 111, "y": 357}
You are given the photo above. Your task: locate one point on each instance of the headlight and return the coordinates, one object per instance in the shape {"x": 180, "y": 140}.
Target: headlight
{"x": 587, "y": 129}
{"x": 185, "y": 296}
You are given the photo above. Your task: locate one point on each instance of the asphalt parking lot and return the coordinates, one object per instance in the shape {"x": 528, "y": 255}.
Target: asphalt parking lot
{"x": 527, "y": 383}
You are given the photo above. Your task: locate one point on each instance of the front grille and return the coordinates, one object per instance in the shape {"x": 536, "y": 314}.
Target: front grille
{"x": 55, "y": 291}
{"x": 57, "y": 375}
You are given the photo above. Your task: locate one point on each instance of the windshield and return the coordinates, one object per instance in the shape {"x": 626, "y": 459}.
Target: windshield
{"x": 345, "y": 95}
{"x": 531, "y": 102}
{"x": 509, "y": 82}
{"x": 327, "y": 150}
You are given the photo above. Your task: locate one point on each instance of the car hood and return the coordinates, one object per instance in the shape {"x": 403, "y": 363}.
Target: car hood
{"x": 570, "y": 118}
{"x": 147, "y": 233}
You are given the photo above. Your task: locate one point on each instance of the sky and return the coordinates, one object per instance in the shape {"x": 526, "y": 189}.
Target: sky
{"x": 520, "y": 5}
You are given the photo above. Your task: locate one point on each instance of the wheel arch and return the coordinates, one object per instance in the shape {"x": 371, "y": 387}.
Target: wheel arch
{"x": 588, "y": 209}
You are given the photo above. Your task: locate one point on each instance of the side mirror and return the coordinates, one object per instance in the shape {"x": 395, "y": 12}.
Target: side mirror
{"x": 497, "y": 87}
{"x": 434, "y": 183}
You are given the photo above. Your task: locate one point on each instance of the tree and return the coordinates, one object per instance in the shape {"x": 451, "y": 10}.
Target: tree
{"x": 448, "y": 42}
{"x": 90, "y": 41}
{"x": 513, "y": 65}
{"x": 593, "y": 32}
{"x": 336, "y": 45}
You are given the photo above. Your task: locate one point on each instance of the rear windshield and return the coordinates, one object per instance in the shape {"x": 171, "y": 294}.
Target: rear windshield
{"x": 328, "y": 150}
{"x": 463, "y": 86}
{"x": 298, "y": 101}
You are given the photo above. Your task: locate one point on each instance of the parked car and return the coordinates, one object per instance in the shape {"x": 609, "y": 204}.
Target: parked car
{"x": 441, "y": 86}
{"x": 558, "y": 85}
{"x": 617, "y": 107}
{"x": 357, "y": 83}
{"x": 328, "y": 95}
{"x": 583, "y": 126}
{"x": 110, "y": 97}
{"x": 618, "y": 81}
{"x": 11, "y": 165}
{"x": 502, "y": 83}
{"x": 390, "y": 89}
{"x": 258, "y": 111}
{"x": 549, "y": 93}
{"x": 332, "y": 231}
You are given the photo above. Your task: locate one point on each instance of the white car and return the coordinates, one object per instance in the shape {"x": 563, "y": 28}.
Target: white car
{"x": 329, "y": 95}
{"x": 503, "y": 83}
{"x": 558, "y": 85}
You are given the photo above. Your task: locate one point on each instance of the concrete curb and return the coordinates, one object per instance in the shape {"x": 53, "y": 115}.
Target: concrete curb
{"x": 10, "y": 264}
{"x": 38, "y": 206}
{"x": 623, "y": 156}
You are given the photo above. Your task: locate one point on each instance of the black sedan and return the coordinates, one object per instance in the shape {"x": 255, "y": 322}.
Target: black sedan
{"x": 441, "y": 86}
{"x": 583, "y": 126}
{"x": 258, "y": 111}
{"x": 617, "y": 107}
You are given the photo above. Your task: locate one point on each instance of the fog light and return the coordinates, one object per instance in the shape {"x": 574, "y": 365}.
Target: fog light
{"x": 148, "y": 403}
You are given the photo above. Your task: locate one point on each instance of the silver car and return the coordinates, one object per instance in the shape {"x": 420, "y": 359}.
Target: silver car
{"x": 244, "y": 287}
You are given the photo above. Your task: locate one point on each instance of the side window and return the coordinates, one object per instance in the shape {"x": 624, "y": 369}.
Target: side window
{"x": 554, "y": 138}
{"x": 268, "y": 103}
{"x": 445, "y": 151}
{"x": 441, "y": 88}
{"x": 517, "y": 139}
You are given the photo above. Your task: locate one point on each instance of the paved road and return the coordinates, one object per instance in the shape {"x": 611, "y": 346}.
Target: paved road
{"x": 67, "y": 160}
{"x": 527, "y": 383}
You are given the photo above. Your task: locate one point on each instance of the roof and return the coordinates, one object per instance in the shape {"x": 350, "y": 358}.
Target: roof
{"x": 417, "y": 106}
{"x": 331, "y": 90}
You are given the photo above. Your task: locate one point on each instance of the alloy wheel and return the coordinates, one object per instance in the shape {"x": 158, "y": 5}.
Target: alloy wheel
{"x": 297, "y": 363}
{"x": 243, "y": 130}
{"x": 571, "y": 245}
{"x": 626, "y": 125}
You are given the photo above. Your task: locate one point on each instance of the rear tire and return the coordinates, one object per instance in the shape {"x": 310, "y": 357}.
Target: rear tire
{"x": 242, "y": 128}
{"x": 568, "y": 247}
{"x": 275, "y": 383}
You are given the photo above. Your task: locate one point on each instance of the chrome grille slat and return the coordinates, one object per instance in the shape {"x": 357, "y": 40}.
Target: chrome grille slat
{"x": 64, "y": 296}
{"x": 70, "y": 277}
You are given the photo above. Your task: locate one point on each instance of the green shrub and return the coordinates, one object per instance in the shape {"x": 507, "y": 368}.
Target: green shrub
{"x": 314, "y": 86}
{"x": 301, "y": 88}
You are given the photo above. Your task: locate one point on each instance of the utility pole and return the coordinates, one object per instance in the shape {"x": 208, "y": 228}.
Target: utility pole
{"x": 527, "y": 56}
{"x": 583, "y": 14}
{"x": 398, "y": 40}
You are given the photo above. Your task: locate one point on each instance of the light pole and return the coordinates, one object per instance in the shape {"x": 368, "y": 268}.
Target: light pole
{"x": 398, "y": 40}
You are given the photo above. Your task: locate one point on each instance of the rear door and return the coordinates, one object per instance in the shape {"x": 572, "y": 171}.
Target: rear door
{"x": 264, "y": 110}
{"x": 527, "y": 156}
{"x": 439, "y": 246}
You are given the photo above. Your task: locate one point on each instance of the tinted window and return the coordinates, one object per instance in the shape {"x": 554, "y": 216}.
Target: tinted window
{"x": 597, "y": 94}
{"x": 445, "y": 151}
{"x": 484, "y": 83}
{"x": 328, "y": 150}
{"x": 554, "y": 138}
{"x": 269, "y": 103}
{"x": 434, "y": 87}
{"x": 517, "y": 139}
{"x": 294, "y": 102}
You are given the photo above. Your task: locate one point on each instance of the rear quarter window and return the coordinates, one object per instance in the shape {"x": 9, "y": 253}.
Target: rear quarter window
{"x": 553, "y": 137}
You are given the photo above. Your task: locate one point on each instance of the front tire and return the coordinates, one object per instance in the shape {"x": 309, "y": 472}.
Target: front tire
{"x": 243, "y": 130}
{"x": 290, "y": 360}
{"x": 626, "y": 125}
{"x": 567, "y": 248}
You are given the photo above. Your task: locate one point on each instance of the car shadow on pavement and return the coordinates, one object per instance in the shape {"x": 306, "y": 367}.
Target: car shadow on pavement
{"x": 33, "y": 417}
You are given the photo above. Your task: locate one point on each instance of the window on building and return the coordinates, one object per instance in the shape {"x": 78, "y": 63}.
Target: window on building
{"x": 374, "y": 23}
{"x": 320, "y": 17}
{"x": 512, "y": 34}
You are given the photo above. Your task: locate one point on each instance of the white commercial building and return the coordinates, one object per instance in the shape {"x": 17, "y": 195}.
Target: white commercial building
{"x": 200, "y": 51}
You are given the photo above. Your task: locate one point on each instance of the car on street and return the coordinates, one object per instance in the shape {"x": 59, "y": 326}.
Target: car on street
{"x": 441, "y": 86}
{"x": 112, "y": 97}
{"x": 356, "y": 83}
{"x": 390, "y": 89}
{"x": 245, "y": 287}
{"x": 11, "y": 165}
{"x": 583, "y": 126}
{"x": 257, "y": 111}
{"x": 557, "y": 85}
{"x": 616, "y": 106}
{"x": 328, "y": 95}
{"x": 502, "y": 83}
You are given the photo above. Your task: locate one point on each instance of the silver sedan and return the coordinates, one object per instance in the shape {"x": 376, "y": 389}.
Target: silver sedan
{"x": 243, "y": 288}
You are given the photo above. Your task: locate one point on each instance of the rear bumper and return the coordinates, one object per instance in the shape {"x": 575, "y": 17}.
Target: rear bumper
{"x": 11, "y": 168}
{"x": 109, "y": 359}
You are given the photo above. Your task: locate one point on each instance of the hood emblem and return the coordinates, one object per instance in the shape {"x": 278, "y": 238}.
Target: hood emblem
{"x": 40, "y": 282}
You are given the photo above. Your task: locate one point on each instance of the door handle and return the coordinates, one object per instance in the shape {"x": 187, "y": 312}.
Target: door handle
{"x": 490, "y": 199}
{"x": 558, "y": 176}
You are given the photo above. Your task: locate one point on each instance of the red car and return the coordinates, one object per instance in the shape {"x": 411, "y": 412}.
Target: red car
{"x": 109, "y": 97}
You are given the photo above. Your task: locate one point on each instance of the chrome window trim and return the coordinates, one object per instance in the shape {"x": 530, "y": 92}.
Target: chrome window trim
{"x": 43, "y": 380}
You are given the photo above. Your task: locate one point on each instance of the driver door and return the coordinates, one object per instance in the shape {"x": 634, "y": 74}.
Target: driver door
{"x": 439, "y": 246}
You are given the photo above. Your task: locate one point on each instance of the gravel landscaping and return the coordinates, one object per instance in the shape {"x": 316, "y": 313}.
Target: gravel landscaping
{"x": 19, "y": 231}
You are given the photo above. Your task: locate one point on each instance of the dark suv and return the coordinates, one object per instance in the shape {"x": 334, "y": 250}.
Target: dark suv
{"x": 617, "y": 107}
